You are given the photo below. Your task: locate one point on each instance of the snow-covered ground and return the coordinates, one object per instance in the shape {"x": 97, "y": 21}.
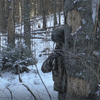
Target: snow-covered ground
{"x": 31, "y": 79}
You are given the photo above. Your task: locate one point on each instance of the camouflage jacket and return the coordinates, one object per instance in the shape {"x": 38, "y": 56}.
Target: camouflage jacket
{"x": 55, "y": 63}
{"x": 51, "y": 61}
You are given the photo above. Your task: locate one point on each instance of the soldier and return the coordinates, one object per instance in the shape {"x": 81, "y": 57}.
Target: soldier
{"x": 55, "y": 63}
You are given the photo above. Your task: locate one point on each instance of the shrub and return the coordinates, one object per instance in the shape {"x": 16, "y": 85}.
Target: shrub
{"x": 12, "y": 58}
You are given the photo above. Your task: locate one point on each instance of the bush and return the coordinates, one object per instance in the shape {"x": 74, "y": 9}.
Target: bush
{"x": 15, "y": 57}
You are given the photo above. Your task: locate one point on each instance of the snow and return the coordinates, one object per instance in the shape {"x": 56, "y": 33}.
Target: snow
{"x": 94, "y": 6}
{"x": 76, "y": 1}
{"x": 31, "y": 79}
{"x": 76, "y": 31}
{"x": 87, "y": 37}
{"x": 83, "y": 21}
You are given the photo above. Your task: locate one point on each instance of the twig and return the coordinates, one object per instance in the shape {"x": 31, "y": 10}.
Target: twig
{"x": 37, "y": 91}
{"x": 88, "y": 67}
{"x": 43, "y": 83}
{"x": 29, "y": 90}
{"x": 10, "y": 93}
{"x": 26, "y": 86}
{"x": 20, "y": 80}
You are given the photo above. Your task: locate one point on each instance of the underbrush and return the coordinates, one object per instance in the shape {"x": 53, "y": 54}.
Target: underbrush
{"x": 16, "y": 59}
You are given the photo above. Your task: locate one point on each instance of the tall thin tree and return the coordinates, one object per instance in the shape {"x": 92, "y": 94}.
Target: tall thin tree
{"x": 3, "y": 21}
{"x": 27, "y": 34}
{"x": 43, "y": 14}
{"x": 11, "y": 26}
{"x": 55, "y": 18}
{"x": 59, "y": 11}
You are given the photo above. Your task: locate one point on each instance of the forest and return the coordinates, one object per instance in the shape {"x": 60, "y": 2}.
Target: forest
{"x": 50, "y": 49}
{"x": 25, "y": 14}
{"x": 25, "y": 27}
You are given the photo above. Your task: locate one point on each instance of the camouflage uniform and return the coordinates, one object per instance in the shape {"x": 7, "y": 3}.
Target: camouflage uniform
{"x": 55, "y": 63}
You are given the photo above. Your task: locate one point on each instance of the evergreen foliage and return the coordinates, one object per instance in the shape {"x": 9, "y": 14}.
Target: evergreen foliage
{"x": 15, "y": 57}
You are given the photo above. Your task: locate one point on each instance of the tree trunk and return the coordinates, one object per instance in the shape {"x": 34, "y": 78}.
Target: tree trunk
{"x": 35, "y": 7}
{"x": 16, "y": 11}
{"x": 43, "y": 14}
{"x": 27, "y": 34}
{"x": 0, "y": 24}
{"x": 11, "y": 26}
{"x": 2, "y": 16}
{"x": 40, "y": 6}
{"x": 55, "y": 18}
{"x": 81, "y": 63}
{"x": 22, "y": 11}
{"x": 45, "y": 7}
{"x": 59, "y": 11}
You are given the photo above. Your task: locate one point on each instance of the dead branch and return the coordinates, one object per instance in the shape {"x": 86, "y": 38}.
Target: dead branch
{"x": 43, "y": 83}
{"x": 10, "y": 93}
{"x": 20, "y": 80}
{"x": 29, "y": 90}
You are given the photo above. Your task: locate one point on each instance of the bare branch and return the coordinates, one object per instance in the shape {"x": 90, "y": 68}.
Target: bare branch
{"x": 86, "y": 65}
{"x": 29, "y": 90}
{"x": 20, "y": 80}
{"x": 43, "y": 83}
{"x": 10, "y": 93}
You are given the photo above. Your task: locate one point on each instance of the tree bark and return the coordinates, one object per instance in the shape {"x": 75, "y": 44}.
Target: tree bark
{"x": 55, "y": 18}
{"x": 80, "y": 63}
{"x": 3, "y": 21}
{"x": 27, "y": 34}
{"x": 22, "y": 11}
{"x": 35, "y": 7}
{"x": 11, "y": 26}
{"x": 16, "y": 11}
{"x": 43, "y": 14}
{"x": 59, "y": 11}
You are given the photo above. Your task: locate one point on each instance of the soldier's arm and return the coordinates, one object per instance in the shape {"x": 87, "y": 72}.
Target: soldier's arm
{"x": 47, "y": 65}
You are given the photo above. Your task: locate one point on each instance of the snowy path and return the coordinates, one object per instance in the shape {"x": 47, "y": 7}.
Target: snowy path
{"x": 30, "y": 79}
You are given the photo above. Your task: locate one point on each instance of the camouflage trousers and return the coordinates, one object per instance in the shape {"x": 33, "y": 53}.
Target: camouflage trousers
{"x": 61, "y": 96}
